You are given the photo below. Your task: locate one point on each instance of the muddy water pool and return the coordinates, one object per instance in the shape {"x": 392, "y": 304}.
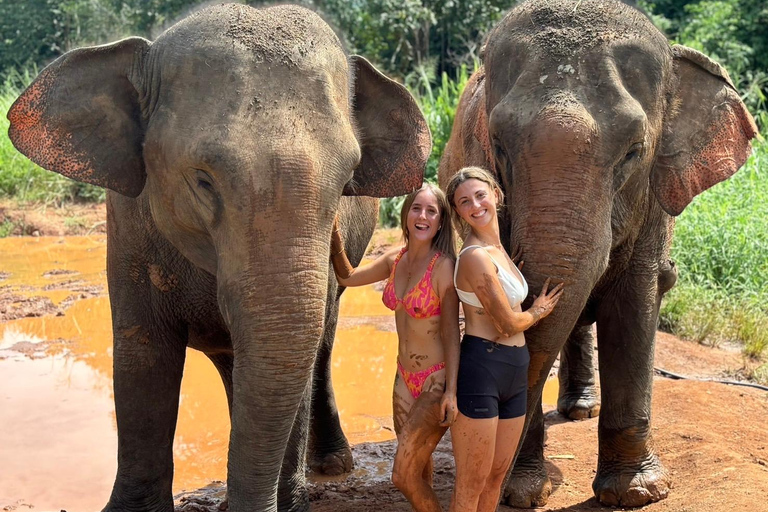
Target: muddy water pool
{"x": 57, "y": 421}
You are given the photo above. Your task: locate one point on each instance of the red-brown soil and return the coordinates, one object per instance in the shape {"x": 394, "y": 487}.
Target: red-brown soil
{"x": 711, "y": 437}
{"x": 47, "y": 220}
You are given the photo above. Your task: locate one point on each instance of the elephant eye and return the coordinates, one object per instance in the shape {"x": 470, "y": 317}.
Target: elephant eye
{"x": 204, "y": 181}
{"x": 636, "y": 151}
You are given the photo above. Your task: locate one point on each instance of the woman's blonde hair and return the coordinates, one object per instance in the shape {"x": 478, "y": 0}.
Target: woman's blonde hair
{"x": 465, "y": 174}
{"x": 444, "y": 241}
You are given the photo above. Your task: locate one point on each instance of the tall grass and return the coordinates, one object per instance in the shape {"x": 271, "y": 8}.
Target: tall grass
{"x": 721, "y": 239}
{"x": 20, "y": 178}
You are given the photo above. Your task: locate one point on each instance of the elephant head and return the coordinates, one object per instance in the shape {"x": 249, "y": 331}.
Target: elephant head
{"x": 237, "y": 132}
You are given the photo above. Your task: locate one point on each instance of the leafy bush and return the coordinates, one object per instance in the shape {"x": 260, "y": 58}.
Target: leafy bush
{"x": 729, "y": 31}
{"x": 404, "y": 35}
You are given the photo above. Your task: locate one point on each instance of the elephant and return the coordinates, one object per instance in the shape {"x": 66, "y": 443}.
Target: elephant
{"x": 600, "y": 132}
{"x": 228, "y": 146}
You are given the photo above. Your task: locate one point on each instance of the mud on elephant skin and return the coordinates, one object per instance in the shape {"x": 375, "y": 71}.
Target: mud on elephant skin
{"x": 227, "y": 145}
{"x": 600, "y": 133}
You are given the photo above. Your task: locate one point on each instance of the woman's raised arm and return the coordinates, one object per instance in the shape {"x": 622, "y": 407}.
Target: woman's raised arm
{"x": 481, "y": 274}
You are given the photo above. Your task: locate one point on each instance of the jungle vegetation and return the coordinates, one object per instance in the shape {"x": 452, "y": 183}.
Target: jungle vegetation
{"x": 432, "y": 46}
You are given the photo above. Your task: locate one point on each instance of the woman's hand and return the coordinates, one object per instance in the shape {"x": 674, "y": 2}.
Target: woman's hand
{"x": 448, "y": 409}
{"x": 545, "y": 302}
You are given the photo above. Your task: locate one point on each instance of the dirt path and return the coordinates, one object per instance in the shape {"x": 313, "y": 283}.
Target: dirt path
{"x": 50, "y": 220}
{"x": 711, "y": 437}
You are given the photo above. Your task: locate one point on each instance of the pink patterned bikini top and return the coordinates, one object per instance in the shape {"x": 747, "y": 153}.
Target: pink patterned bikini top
{"x": 421, "y": 301}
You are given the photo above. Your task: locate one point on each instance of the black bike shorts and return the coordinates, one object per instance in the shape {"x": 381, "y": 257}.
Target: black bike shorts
{"x": 493, "y": 379}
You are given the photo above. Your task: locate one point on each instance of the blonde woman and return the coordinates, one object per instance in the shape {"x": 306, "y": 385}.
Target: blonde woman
{"x": 419, "y": 289}
{"x": 493, "y": 368}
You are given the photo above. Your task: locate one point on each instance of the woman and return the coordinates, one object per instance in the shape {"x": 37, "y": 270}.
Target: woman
{"x": 493, "y": 369}
{"x": 420, "y": 290}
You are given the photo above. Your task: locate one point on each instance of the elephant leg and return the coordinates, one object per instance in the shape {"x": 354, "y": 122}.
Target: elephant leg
{"x": 629, "y": 472}
{"x": 578, "y": 398}
{"x": 329, "y": 453}
{"x": 224, "y": 364}
{"x": 148, "y": 366}
{"x": 528, "y": 484}
{"x": 292, "y": 495}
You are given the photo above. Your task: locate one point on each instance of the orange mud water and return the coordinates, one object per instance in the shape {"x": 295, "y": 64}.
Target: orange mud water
{"x": 57, "y": 420}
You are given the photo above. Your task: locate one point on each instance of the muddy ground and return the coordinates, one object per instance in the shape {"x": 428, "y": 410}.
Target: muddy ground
{"x": 49, "y": 220}
{"x": 712, "y": 437}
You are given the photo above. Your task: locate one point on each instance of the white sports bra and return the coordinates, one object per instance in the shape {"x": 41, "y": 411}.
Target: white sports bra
{"x": 515, "y": 290}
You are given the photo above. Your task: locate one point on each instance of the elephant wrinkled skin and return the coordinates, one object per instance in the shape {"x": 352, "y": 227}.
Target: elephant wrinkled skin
{"x": 599, "y": 132}
{"x": 227, "y": 145}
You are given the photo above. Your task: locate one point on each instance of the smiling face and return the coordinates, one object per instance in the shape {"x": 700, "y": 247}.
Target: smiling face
{"x": 423, "y": 220}
{"x": 475, "y": 202}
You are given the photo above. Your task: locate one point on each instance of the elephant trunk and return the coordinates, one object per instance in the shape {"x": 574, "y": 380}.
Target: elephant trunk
{"x": 274, "y": 308}
{"x": 565, "y": 235}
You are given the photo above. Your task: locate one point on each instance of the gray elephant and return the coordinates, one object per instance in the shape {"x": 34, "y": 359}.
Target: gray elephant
{"x": 227, "y": 145}
{"x": 600, "y": 133}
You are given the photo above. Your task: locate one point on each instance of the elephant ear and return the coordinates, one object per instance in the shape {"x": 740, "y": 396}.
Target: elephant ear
{"x": 707, "y": 132}
{"x": 81, "y": 117}
{"x": 394, "y": 137}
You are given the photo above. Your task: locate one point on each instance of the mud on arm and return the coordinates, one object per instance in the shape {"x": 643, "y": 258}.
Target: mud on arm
{"x": 483, "y": 279}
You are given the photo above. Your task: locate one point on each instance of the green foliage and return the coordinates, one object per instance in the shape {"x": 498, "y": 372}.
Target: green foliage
{"x": 438, "y": 103}
{"x": 713, "y": 27}
{"x": 29, "y": 33}
{"x": 750, "y": 323}
{"x": 404, "y": 35}
{"x": 6, "y": 228}
{"x": 389, "y": 211}
{"x": 721, "y": 240}
{"x": 687, "y": 312}
{"x": 34, "y": 32}
{"x": 732, "y": 32}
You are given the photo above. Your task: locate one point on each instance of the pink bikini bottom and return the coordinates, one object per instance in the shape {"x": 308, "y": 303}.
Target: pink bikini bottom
{"x": 415, "y": 380}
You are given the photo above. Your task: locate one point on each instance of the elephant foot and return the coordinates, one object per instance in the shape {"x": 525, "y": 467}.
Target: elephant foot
{"x": 579, "y": 404}
{"x": 528, "y": 488}
{"x": 213, "y": 498}
{"x": 145, "y": 504}
{"x": 293, "y": 500}
{"x": 113, "y": 508}
{"x": 202, "y": 504}
{"x": 332, "y": 463}
{"x": 622, "y": 486}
